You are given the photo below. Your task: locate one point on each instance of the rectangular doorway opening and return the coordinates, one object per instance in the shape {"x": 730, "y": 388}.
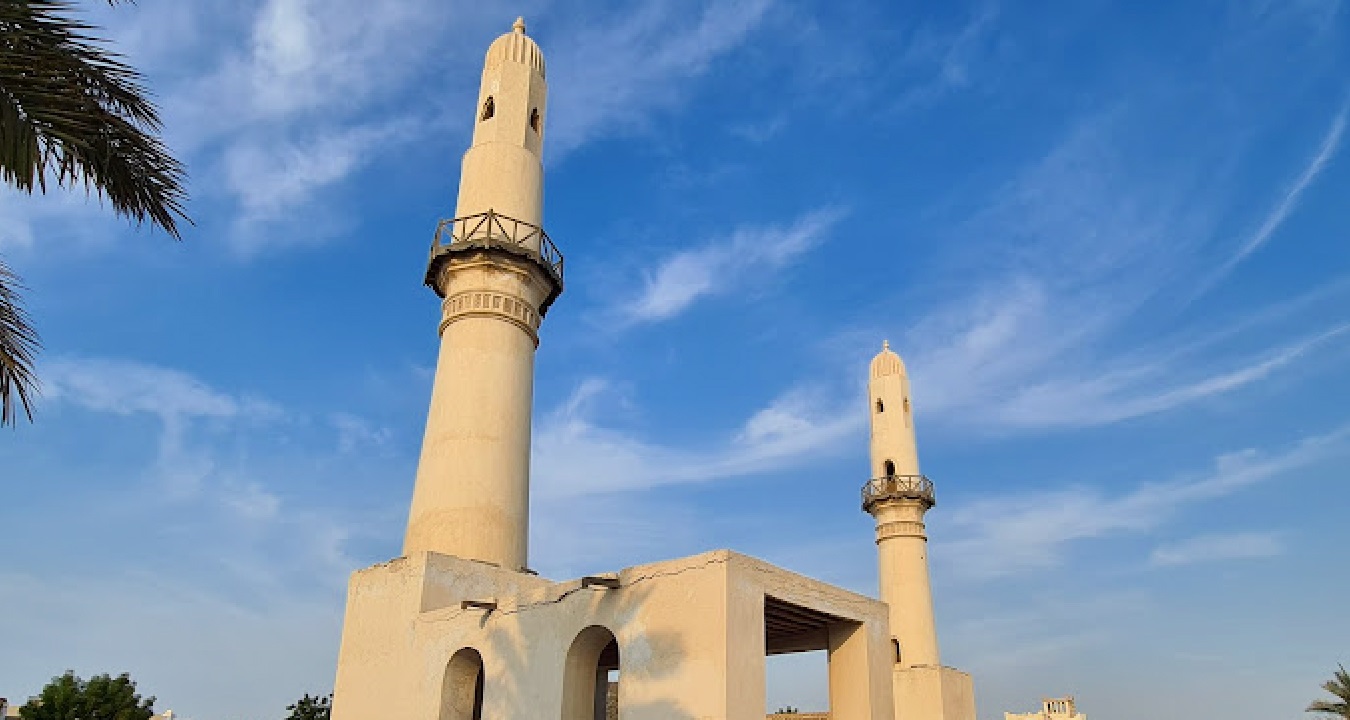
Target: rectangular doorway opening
{"x": 796, "y": 665}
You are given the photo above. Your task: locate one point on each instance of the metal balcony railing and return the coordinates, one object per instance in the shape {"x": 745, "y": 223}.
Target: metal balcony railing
{"x": 492, "y": 229}
{"x": 897, "y": 487}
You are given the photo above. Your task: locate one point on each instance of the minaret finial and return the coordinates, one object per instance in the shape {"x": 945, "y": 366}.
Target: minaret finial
{"x": 519, "y": 25}
{"x": 885, "y": 344}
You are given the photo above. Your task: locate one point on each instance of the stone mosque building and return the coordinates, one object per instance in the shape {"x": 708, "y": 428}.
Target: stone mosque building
{"x": 459, "y": 627}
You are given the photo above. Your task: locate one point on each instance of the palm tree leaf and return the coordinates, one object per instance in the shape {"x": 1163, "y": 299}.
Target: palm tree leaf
{"x": 72, "y": 109}
{"x": 18, "y": 345}
{"x": 1339, "y": 687}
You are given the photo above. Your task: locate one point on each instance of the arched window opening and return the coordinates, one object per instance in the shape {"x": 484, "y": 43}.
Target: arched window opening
{"x": 895, "y": 647}
{"x": 880, "y": 407}
{"x": 591, "y": 675}
{"x": 890, "y": 468}
{"x": 462, "y": 688}
{"x": 489, "y": 109}
{"x": 906, "y": 411}
{"x": 534, "y": 119}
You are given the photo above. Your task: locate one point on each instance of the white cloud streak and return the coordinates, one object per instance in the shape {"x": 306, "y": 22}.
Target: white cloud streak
{"x": 1139, "y": 390}
{"x": 1219, "y": 548}
{"x": 277, "y": 102}
{"x": 1330, "y": 145}
{"x": 724, "y": 264}
{"x": 573, "y": 455}
{"x": 126, "y": 387}
{"x": 1084, "y": 252}
{"x": 611, "y": 76}
{"x": 1006, "y": 535}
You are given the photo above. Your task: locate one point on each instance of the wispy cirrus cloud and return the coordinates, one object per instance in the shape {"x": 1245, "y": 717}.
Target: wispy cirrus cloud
{"x": 1081, "y": 249}
{"x": 1141, "y": 388}
{"x": 611, "y": 76}
{"x": 276, "y": 104}
{"x": 1006, "y": 535}
{"x": 723, "y": 264}
{"x": 1219, "y": 547}
{"x": 125, "y": 387}
{"x": 575, "y": 455}
{"x": 1288, "y": 202}
{"x": 943, "y": 60}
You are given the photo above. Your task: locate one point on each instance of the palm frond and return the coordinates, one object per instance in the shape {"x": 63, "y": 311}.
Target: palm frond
{"x": 1339, "y": 687}
{"x": 18, "y": 345}
{"x": 72, "y": 109}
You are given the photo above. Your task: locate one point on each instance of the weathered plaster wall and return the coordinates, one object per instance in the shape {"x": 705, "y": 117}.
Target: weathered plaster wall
{"x": 690, "y": 634}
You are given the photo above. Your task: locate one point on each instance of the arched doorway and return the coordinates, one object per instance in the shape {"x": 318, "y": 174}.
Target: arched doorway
{"x": 462, "y": 689}
{"x": 592, "y": 664}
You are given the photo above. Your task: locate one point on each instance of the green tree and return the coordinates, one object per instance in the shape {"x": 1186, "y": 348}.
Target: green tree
{"x": 103, "y": 697}
{"x": 318, "y": 707}
{"x": 1339, "y": 687}
{"x": 73, "y": 113}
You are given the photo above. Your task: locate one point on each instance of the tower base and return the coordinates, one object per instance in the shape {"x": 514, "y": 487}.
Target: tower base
{"x": 929, "y": 692}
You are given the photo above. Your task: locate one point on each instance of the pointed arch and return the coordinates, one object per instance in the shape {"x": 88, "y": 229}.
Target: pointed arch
{"x": 890, "y": 468}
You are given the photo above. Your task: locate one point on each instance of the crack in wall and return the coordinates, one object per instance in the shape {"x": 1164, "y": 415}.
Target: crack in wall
{"x": 631, "y": 583}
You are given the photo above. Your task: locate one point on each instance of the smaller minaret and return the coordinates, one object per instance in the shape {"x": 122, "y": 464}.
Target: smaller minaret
{"x": 898, "y": 496}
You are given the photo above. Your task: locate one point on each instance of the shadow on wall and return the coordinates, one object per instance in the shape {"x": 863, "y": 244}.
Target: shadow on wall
{"x": 513, "y": 685}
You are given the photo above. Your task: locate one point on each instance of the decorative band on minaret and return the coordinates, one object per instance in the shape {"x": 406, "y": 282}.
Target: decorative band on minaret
{"x": 497, "y": 273}
{"x": 898, "y": 496}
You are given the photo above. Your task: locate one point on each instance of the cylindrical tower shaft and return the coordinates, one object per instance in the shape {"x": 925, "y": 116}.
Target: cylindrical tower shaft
{"x": 902, "y": 556}
{"x": 471, "y": 497}
{"x": 897, "y": 496}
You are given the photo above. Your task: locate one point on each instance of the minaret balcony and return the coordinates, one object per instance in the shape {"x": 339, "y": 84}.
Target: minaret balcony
{"x": 492, "y": 230}
{"x": 897, "y": 487}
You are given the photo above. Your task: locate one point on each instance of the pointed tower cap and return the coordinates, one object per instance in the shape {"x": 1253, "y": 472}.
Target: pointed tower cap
{"x": 516, "y": 46}
{"x": 887, "y": 362}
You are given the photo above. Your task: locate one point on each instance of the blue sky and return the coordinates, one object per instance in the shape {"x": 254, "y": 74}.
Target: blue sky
{"x": 1109, "y": 239}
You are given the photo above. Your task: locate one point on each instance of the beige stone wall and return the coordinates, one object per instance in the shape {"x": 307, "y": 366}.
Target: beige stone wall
{"x": 933, "y": 693}
{"x": 690, "y": 634}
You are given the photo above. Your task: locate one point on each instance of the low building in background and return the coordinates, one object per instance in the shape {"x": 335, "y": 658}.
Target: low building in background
{"x": 1062, "y": 708}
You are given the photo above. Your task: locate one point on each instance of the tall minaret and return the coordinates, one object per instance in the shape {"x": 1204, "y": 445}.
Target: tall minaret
{"x": 497, "y": 272}
{"x": 898, "y": 496}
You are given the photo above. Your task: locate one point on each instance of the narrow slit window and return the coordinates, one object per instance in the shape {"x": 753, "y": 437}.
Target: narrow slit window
{"x": 890, "y": 468}
{"x": 880, "y": 407}
{"x": 489, "y": 109}
{"x": 534, "y": 119}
